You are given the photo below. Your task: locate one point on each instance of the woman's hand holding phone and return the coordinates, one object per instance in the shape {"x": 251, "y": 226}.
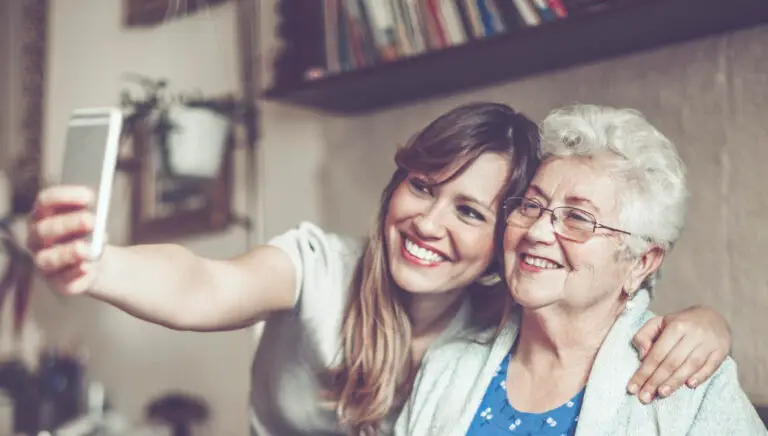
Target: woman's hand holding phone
{"x": 59, "y": 227}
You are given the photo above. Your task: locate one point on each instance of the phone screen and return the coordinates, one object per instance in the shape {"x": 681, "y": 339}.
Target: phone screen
{"x": 86, "y": 148}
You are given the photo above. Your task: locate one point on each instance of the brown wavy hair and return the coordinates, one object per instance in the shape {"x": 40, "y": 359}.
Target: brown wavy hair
{"x": 375, "y": 374}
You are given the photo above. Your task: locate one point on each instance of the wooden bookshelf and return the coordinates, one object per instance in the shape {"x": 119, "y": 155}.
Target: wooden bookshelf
{"x": 523, "y": 52}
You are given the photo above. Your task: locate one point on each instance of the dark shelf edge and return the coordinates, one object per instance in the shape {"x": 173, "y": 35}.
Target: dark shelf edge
{"x": 550, "y": 47}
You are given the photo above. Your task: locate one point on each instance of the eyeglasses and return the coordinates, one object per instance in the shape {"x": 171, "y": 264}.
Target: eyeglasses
{"x": 569, "y": 222}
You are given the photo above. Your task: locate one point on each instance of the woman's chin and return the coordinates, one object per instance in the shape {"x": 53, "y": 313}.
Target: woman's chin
{"x": 417, "y": 282}
{"x": 412, "y": 282}
{"x": 531, "y": 302}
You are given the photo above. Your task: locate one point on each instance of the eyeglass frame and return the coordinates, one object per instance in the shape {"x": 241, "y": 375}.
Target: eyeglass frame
{"x": 553, "y": 220}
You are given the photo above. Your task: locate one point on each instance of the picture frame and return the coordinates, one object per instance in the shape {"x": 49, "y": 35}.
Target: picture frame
{"x": 24, "y": 69}
{"x": 140, "y": 13}
{"x": 166, "y": 207}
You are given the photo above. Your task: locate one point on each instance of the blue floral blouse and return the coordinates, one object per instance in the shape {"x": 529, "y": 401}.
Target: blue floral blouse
{"x": 496, "y": 416}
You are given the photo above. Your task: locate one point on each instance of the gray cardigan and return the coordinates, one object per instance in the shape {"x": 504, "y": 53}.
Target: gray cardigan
{"x": 453, "y": 378}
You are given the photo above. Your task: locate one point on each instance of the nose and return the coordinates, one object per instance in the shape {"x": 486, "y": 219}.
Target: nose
{"x": 543, "y": 230}
{"x": 429, "y": 225}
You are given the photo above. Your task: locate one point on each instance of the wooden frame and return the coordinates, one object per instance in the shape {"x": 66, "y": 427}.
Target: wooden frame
{"x": 25, "y": 70}
{"x": 152, "y": 12}
{"x": 214, "y": 214}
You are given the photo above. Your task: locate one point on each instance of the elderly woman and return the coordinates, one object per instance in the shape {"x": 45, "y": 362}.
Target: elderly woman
{"x": 581, "y": 250}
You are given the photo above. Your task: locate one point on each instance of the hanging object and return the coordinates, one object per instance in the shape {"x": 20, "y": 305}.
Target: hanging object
{"x": 197, "y": 141}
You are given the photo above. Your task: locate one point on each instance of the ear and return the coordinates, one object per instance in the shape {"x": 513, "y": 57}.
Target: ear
{"x": 644, "y": 266}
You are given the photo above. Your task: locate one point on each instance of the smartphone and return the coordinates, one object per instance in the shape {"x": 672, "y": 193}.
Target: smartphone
{"x": 90, "y": 159}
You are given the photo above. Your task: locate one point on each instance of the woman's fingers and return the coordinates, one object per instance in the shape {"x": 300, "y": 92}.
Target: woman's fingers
{"x": 58, "y": 257}
{"x": 60, "y": 227}
{"x": 655, "y": 353}
{"x": 73, "y": 279}
{"x": 692, "y": 365}
{"x": 712, "y": 363}
{"x": 60, "y": 213}
{"x": 664, "y": 379}
{"x": 55, "y": 198}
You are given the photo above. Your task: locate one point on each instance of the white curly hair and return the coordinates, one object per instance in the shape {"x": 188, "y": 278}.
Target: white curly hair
{"x": 654, "y": 193}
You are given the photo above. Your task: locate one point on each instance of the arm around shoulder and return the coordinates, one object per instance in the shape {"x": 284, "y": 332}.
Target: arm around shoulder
{"x": 725, "y": 407}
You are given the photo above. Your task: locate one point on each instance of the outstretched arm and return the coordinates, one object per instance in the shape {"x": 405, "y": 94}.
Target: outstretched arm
{"x": 164, "y": 284}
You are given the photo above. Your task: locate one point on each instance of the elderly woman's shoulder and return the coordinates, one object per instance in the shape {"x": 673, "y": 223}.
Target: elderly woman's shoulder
{"x": 719, "y": 405}
{"x": 725, "y": 378}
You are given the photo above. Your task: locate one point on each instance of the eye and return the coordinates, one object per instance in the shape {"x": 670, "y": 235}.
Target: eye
{"x": 530, "y": 207}
{"x": 419, "y": 186}
{"x": 470, "y": 212}
{"x": 578, "y": 216}
{"x": 528, "y": 204}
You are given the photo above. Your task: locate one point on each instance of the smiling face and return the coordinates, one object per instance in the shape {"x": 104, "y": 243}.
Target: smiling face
{"x": 440, "y": 238}
{"x": 545, "y": 269}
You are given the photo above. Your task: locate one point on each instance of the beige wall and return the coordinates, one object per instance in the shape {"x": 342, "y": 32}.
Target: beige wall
{"x": 710, "y": 96}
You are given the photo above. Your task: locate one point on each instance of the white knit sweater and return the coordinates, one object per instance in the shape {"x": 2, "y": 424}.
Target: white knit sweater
{"x": 453, "y": 380}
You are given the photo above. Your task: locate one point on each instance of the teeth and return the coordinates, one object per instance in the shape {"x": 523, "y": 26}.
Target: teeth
{"x": 539, "y": 262}
{"x": 421, "y": 252}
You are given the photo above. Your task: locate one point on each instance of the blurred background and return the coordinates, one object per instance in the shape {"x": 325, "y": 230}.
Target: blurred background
{"x": 299, "y": 105}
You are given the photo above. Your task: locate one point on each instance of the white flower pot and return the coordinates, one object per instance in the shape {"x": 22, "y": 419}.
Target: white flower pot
{"x": 197, "y": 141}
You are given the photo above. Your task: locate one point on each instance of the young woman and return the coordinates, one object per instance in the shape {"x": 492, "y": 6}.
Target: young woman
{"x": 348, "y": 321}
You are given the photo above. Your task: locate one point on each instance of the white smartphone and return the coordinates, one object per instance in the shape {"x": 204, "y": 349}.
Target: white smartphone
{"x": 90, "y": 159}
